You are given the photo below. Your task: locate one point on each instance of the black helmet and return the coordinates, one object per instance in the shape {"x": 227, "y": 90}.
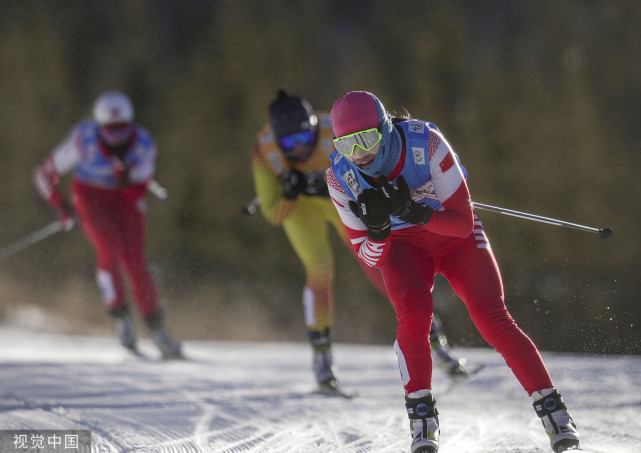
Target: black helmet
{"x": 290, "y": 114}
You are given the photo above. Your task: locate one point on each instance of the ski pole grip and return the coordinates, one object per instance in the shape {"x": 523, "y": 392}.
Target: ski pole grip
{"x": 250, "y": 208}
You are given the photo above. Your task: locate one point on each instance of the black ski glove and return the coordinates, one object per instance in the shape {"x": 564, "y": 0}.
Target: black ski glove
{"x": 401, "y": 203}
{"x": 373, "y": 209}
{"x": 315, "y": 184}
{"x": 293, "y": 182}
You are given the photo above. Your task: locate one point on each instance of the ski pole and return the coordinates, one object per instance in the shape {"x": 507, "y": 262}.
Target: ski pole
{"x": 157, "y": 190}
{"x": 251, "y": 207}
{"x": 603, "y": 233}
{"x": 31, "y": 239}
{"x": 154, "y": 188}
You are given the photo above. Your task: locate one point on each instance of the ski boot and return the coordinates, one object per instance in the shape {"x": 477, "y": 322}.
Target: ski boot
{"x": 558, "y": 424}
{"x": 423, "y": 417}
{"x": 323, "y": 363}
{"x": 168, "y": 346}
{"x": 125, "y": 329}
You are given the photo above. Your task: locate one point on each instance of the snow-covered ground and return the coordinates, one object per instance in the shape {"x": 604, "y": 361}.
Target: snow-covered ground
{"x": 242, "y": 397}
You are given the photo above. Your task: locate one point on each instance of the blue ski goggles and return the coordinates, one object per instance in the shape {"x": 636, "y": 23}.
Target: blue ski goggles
{"x": 288, "y": 142}
{"x": 365, "y": 140}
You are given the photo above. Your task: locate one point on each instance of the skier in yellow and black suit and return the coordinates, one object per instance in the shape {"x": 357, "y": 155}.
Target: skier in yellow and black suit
{"x": 289, "y": 162}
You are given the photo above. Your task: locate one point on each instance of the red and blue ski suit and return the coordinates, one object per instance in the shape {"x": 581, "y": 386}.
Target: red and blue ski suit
{"x": 108, "y": 196}
{"x": 453, "y": 244}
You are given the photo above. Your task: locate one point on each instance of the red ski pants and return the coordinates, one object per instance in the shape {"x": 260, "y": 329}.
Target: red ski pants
{"x": 116, "y": 228}
{"x": 468, "y": 264}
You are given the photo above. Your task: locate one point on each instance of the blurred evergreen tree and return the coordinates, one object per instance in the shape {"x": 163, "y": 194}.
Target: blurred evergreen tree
{"x": 539, "y": 100}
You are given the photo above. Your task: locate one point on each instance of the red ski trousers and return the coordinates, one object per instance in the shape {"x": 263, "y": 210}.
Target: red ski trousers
{"x": 416, "y": 255}
{"x": 115, "y": 226}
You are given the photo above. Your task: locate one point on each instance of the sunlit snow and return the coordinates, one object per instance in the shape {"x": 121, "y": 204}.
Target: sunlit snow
{"x": 242, "y": 397}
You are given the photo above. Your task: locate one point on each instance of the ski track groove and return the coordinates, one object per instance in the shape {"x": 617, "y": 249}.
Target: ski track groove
{"x": 243, "y": 397}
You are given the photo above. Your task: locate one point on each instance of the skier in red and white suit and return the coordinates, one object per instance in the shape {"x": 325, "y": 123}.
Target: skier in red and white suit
{"x": 402, "y": 196}
{"x": 112, "y": 159}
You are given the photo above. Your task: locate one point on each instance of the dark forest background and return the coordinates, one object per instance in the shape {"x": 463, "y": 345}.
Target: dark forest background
{"x": 541, "y": 100}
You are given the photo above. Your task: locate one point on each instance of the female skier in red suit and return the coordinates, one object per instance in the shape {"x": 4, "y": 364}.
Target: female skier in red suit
{"x": 401, "y": 194}
{"x": 113, "y": 160}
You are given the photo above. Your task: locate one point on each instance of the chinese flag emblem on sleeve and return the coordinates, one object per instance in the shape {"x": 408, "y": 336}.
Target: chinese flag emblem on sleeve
{"x": 447, "y": 162}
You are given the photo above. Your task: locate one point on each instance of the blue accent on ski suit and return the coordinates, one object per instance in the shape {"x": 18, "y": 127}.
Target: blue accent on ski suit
{"x": 95, "y": 167}
{"x": 415, "y": 175}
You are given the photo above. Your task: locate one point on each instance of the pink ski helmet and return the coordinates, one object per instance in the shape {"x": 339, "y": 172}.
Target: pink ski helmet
{"x": 358, "y": 111}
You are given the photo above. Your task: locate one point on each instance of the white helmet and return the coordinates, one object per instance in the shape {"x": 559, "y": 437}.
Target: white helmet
{"x": 113, "y": 107}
